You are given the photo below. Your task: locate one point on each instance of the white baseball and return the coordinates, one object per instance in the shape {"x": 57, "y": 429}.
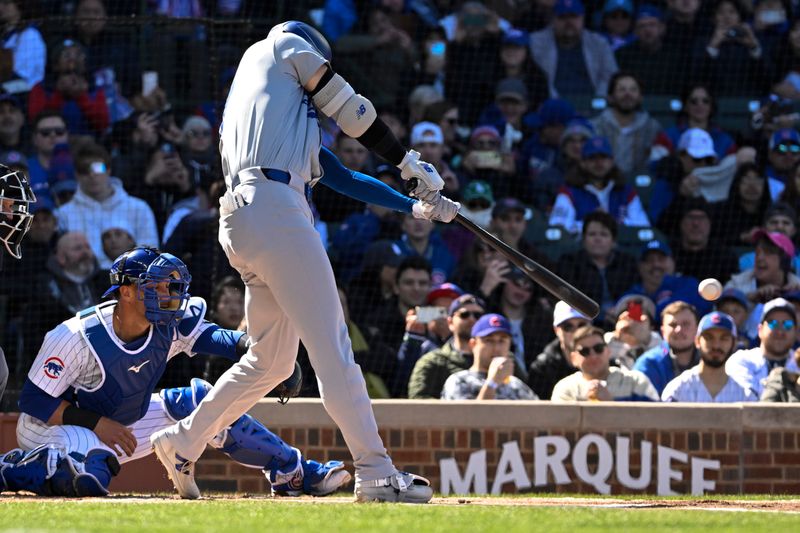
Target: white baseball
{"x": 710, "y": 289}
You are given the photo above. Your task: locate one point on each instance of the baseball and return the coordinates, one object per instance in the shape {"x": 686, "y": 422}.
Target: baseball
{"x": 710, "y": 289}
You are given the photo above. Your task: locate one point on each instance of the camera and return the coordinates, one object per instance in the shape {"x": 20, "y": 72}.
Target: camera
{"x": 164, "y": 117}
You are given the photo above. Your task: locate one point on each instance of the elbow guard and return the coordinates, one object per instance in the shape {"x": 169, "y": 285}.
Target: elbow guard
{"x": 337, "y": 99}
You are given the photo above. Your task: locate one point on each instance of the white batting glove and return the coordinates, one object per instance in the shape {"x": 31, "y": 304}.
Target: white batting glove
{"x": 442, "y": 210}
{"x": 427, "y": 176}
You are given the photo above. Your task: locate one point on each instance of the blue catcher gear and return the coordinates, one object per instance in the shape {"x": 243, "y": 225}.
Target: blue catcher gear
{"x": 179, "y": 402}
{"x": 130, "y": 267}
{"x": 93, "y": 478}
{"x": 16, "y": 197}
{"x": 45, "y": 471}
{"x": 165, "y": 305}
{"x": 310, "y": 35}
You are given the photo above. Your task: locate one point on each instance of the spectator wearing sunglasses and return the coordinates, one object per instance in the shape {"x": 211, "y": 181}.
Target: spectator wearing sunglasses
{"x": 783, "y": 157}
{"x": 783, "y": 385}
{"x": 491, "y": 376}
{"x": 434, "y": 367}
{"x": 48, "y": 130}
{"x": 554, "y": 363}
{"x": 709, "y": 382}
{"x": 777, "y": 332}
{"x": 596, "y": 379}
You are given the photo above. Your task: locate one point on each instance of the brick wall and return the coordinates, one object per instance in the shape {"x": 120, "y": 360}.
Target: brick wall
{"x": 758, "y": 446}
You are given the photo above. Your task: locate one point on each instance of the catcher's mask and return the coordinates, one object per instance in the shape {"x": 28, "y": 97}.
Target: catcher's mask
{"x": 16, "y": 197}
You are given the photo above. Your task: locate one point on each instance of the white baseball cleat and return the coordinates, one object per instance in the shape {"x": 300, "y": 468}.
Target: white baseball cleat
{"x": 179, "y": 470}
{"x": 400, "y": 487}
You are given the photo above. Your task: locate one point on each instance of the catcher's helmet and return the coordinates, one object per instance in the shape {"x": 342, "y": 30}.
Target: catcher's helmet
{"x": 15, "y": 217}
{"x": 310, "y": 35}
{"x": 147, "y": 268}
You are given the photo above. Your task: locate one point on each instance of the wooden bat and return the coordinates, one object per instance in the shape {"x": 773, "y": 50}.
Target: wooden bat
{"x": 544, "y": 277}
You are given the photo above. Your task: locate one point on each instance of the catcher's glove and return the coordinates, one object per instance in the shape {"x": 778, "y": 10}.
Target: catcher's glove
{"x": 290, "y": 387}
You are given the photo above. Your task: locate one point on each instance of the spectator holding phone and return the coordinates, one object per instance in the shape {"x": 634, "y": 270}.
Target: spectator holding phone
{"x": 485, "y": 159}
{"x": 731, "y": 61}
{"x": 491, "y": 376}
{"x": 166, "y": 181}
{"x": 633, "y": 333}
{"x": 596, "y": 380}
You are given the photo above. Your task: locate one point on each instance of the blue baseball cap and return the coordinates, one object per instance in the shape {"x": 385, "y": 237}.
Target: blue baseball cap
{"x": 655, "y": 246}
{"x": 568, "y": 7}
{"x": 618, "y": 5}
{"x": 716, "y": 320}
{"x": 515, "y": 37}
{"x": 596, "y": 146}
{"x": 784, "y": 136}
{"x": 648, "y": 11}
{"x": 733, "y": 294}
{"x": 552, "y": 111}
{"x": 490, "y": 323}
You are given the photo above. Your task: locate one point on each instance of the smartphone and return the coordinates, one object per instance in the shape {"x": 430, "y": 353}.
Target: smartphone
{"x": 635, "y": 311}
{"x": 437, "y": 48}
{"x": 429, "y": 313}
{"x": 488, "y": 159}
{"x": 149, "y": 82}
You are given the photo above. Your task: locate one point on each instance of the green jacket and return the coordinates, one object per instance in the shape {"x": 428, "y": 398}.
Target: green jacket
{"x": 433, "y": 369}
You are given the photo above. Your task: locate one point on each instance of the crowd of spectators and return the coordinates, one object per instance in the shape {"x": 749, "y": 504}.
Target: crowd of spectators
{"x": 537, "y": 115}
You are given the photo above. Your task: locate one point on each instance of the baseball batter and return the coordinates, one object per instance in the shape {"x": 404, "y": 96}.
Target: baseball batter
{"x": 15, "y": 221}
{"x": 88, "y": 403}
{"x": 271, "y": 156}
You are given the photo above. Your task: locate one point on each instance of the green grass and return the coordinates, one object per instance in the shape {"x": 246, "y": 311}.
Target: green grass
{"x": 252, "y": 516}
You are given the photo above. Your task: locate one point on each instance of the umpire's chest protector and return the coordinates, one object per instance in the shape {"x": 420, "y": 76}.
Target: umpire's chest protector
{"x": 128, "y": 377}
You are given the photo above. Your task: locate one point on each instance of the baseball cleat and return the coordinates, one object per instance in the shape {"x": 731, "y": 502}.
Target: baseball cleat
{"x": 313, "y": 479}
{"x": 179, "y": 470}
{"x": 400, "y": 487}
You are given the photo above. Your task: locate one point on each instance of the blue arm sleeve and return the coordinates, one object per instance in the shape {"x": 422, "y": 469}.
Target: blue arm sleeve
{"x": 218, "y": 341}
{"x": 36, "y": 402}
{"x": 360, "y": 186}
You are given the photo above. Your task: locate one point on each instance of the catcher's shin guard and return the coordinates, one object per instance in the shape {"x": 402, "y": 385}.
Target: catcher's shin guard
{"x": 179, "y": 402}
{"x": 45, "y": 471}
{"x": 95, "y": 476}
{"x": 251, "y": 444}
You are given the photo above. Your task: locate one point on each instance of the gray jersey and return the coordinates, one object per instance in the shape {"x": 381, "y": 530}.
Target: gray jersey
{"x": 269, "y": 120}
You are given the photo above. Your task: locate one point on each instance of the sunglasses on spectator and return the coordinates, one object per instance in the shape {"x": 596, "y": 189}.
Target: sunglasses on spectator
{"x": 485, "y": 144}
{"x": 707, "y": 161}
{"x": 49, "y": 132}
{"x": 700, "y": 100}
{"x": 478, "y": 205}
{"x": 463, "y": 315}
{"x": 619, "y": 14}
{"x": 523, "y": 283}
{"x": 598, "y": 349}
{"x": 451, "y": 120}
{"x": 773, "y": 324}
{"x": 199, "y": 133}
{"x": 786, "y": 148}
{"x": 569, "y": 327}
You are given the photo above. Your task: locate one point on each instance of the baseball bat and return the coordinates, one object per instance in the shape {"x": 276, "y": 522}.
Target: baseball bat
{"x": 554, "y": 284}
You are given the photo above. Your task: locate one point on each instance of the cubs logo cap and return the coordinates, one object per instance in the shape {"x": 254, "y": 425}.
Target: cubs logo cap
{"x": 491, "y": 323}
{"x": 716, "y": 320}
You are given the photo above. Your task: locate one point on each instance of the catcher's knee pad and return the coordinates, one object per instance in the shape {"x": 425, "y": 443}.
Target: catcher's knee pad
{"x": 250, "y": 443}
{"x": 179, "y": 402}
{"x": 93, "y": 479}
{"x": 45, "y": 471}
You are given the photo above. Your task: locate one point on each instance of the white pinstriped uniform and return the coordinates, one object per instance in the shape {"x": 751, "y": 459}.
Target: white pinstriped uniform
{"x": 66, "y": 348}
{"x": 688, "y": 387}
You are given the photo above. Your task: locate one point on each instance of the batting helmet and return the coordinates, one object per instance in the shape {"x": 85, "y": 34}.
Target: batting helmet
{"x": 310, "y": 35}
{"x": 15, "y": 217}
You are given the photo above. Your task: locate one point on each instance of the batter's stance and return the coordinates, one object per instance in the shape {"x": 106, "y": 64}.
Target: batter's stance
{"x": 271, "y": 156}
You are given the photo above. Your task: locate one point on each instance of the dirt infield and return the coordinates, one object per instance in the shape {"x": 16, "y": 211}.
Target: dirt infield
{"x": 709, "y": 504}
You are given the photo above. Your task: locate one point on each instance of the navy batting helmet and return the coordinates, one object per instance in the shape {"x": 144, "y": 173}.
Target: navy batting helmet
{"x": 16, "y": 197}
{"x": 310, "y": 35}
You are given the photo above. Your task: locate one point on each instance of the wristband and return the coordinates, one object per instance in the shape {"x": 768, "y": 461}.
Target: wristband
{"x": 75, "y": 416}
{"x": 492, "y": 384}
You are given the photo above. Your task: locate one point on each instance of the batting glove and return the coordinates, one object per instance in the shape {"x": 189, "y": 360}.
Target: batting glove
{"x": 442, "y": 210}
{"x": 428, "y": 179}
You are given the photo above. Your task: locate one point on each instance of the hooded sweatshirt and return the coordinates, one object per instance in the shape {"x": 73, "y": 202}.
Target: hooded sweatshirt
{"x": 90, "y": 217}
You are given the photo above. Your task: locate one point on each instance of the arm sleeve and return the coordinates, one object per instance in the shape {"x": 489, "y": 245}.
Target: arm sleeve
{"x": 218, "y": 341}
{"x": 36, "y": 402}
{"x": 360, "y": 186}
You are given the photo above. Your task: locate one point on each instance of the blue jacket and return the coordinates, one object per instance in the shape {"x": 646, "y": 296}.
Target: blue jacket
{"x": 441, "y": 260}
{"x": 656, "y": 364}
{"x": 586, "y": 202}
